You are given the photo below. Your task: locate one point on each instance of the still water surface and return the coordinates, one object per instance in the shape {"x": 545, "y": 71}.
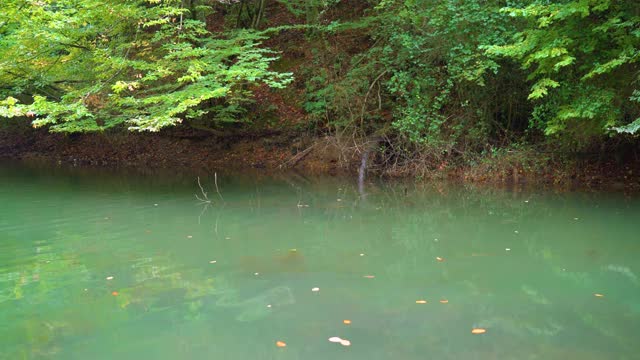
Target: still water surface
{"x": 108, "y": 265}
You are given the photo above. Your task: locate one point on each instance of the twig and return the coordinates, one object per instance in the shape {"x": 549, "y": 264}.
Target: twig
{"x": 364, "y": 103}
{"x": 204, "y": 209}
{"x": 204, "y": 199}
{"x": 215, "y": 181}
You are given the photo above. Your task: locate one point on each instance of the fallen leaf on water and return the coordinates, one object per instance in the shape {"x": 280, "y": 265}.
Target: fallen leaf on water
{"x": 114, "y": 293}
{"x": 421, "y": 301}
{"x": 598, "y": 295}
{"x": 281, "y": 344}
{"x": 212, "y": 262}
{"x": 315, "y": 289}
{"x": 369, "y": 276}
{"x": 346, "y": 322}
{"x": 345, "y": 343}
{"x": 478, "y": 331}
{"x": 109, "y": 277}
{"x": 444, "y": 301}
{"x": 439, "y": 258}
{"x": 335, "y": 339}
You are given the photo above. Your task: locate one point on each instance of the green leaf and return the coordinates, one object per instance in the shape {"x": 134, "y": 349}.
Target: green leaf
{"x": 540, "y": 88}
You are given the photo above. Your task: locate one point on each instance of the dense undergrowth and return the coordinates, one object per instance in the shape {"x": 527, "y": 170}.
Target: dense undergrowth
{"x": 426, "y": 86}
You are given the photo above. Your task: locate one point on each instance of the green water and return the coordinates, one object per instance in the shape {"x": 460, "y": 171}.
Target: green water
{"x": 111, "y": 265}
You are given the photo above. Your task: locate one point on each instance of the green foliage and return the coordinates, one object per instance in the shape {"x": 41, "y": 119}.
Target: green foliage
{"x": 633, "y": 127}
{"x": 432, "y": 51}
{"x": 423, "y": 73}
{"x": 336, "y": 89}
{"x": 312, "y": 10}
{"x": 84, "y": 65}
{"x": 449, "y": 79}
{"x": 581, "y": 57}
{"x": 439, "y": 77}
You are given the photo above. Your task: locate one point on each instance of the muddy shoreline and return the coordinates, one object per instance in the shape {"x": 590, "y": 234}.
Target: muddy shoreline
{"x": 276, "y": 151}
{"x": 169, "y": 149}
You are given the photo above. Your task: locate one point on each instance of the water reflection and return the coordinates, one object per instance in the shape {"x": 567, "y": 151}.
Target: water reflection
{"x": 100, "y": 265}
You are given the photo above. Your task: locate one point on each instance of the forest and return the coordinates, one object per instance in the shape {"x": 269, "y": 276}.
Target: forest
{"x": 422, "y": 85}
{"x": 319, "y": 179}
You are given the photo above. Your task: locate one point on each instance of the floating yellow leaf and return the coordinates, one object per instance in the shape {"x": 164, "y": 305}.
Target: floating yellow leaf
{"x": 281, "y": 344}
{"x": 421, "y": 301}
{"x": 444, "y": 301}
{"x": 439, "y": 258}
{"x": 346, "y": 322}
{"x": 114, "y": 293}
{"x": 478, "y": 331}
{"x": 598, "y": 295}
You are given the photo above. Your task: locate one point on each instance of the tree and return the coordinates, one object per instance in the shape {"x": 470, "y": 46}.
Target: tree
{"x": 86, "y": 65}
{"x": 582, "y": 59}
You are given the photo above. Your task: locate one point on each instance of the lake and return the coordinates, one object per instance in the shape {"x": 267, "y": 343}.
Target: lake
{"x": 113, "y": 264}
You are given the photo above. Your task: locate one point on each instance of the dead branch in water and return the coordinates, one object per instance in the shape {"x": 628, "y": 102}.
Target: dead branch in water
{"x": 215, "y": 181}
{"x": 204, "y": 199}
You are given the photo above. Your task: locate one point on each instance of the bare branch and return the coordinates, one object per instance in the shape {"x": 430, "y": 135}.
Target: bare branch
{"x": 215, "y": 181}
{"x": 299, "y": 156}
{"x": 204, "y": 198}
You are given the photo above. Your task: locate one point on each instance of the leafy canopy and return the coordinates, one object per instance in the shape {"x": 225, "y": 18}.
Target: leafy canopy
{"x": 85, "y": 65}
{"x": 582, "y": 59}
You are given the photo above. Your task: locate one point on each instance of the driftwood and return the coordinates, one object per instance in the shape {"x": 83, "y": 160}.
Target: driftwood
{"x": 296, "y": 159}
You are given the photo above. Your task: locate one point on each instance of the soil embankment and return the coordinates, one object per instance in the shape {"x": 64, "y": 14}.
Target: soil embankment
{"x": 271, "y": 151}
{"x": 174, "y": 148}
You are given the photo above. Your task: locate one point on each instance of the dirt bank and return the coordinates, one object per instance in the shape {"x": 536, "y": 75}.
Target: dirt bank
{"x": 174, "y": 148}
{"x": 271, "y": 151}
